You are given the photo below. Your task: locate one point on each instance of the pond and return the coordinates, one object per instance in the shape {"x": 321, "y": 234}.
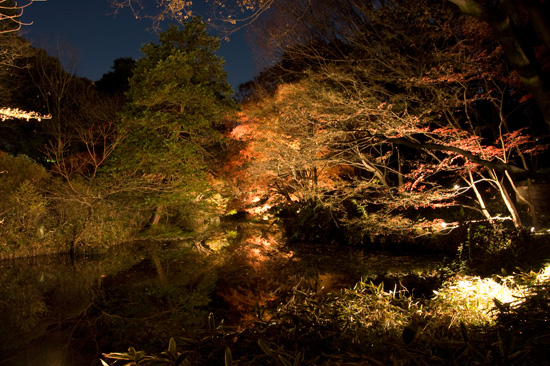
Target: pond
{"x": 56, "y": 310}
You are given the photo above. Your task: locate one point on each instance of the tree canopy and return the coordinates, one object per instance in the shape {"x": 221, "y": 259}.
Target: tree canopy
{"x": 173, "y": 121}
{"x": 393, "y": 105}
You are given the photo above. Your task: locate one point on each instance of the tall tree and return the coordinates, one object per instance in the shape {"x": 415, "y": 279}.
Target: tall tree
{"x": 117, "y": 80}
{"x": 177, "y": 101}
{"x": 38, "y": 82}
{"x": 12, "y": 49}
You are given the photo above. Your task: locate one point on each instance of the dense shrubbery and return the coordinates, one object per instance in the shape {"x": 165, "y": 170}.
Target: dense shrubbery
{"x": 43, "y": 214}
{"x": 311, "y": 222}
{"x": 24, "y": 206}
{"x": 347, "y": 223}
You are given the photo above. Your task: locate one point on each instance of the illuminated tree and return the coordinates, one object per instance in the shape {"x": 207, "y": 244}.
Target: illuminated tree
{"x": 8, "y": 113}
{"x": 12, "y": 48}
{"x": 396, "y": 71}
{"x": 522, "y": 28}
{"x": 226, "y": 15}
{"x": 38, "y": 82}
{"x": 177, "y": 101}
{"x": 395, "y": 112}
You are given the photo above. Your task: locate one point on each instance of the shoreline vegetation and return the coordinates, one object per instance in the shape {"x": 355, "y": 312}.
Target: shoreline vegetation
{"x": 450, "y": 315}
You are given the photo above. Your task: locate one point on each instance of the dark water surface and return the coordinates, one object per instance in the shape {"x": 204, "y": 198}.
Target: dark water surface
{"x": 56, "y": 310}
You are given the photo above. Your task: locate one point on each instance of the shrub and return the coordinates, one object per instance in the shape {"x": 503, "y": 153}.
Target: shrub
{"x": 29, "y": 206}
{"x": 24, "y": 207}
{"x": 16, "y": 170}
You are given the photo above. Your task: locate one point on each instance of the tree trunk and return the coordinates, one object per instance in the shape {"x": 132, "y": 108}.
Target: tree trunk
{"x": 480, "y": 200}
{"x": 155, "y": 217}
{"x": 400, "y": 180}
{"x": 507, "y": 200}
{"x": 78, "y": 235}
{"x": 527, "y": 201}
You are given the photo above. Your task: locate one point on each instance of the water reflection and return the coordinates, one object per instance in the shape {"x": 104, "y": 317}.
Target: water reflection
{"x": 55, "y": 311}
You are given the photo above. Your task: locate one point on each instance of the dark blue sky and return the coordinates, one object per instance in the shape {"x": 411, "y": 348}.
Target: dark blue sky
{"x": 98, "y": 37}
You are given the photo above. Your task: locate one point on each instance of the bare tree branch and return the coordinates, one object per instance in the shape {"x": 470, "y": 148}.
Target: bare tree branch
{"x": 11, "y": 13}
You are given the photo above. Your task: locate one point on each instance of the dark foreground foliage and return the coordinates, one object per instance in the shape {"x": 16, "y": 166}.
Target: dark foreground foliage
{"x": 469, "y": 321}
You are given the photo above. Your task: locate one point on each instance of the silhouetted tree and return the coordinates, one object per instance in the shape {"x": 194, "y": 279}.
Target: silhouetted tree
{"x": 117, "y": 81}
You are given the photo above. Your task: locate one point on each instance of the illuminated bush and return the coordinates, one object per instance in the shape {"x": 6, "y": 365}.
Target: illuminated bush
{"x": 471, "y": 300}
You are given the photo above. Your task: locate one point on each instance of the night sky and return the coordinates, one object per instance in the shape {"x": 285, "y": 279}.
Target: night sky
{"x": 97, "y": 37}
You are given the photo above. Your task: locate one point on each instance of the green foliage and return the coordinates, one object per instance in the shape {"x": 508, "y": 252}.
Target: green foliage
{"x": 485, "y": 250}
{"x": 111, "y": 223}
{"x": 471, "y": 299}
{"x": 24, "y": 206}
{"x": 29, "y": 206}
{"x": 16, "y": 170}
{"x": 179, "y": 93}
{"x": 178, "y": 97}
{"x": 44, "y": 214}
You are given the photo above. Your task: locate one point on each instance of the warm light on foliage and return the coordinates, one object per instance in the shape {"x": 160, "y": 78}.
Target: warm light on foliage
{"x": 227, "y": 16}
{"x": 8, "y": 113}
{"x": 472, "y": 299}
{"x": 475, "y": 300}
